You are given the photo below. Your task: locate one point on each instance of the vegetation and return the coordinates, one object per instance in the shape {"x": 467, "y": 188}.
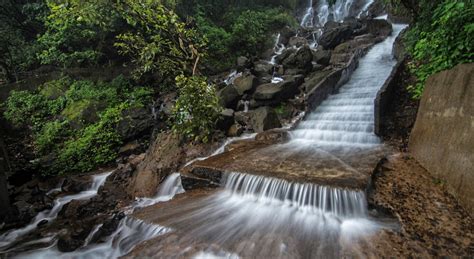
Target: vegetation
{"x": 197, "y": 108}
{"x": 75, "y": 120}
{"x": 441, "y": 37}
{"x": 168, "y": 45}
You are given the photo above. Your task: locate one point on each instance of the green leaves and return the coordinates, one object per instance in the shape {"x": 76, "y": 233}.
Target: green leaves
{"x": 441, "y": 40}
{"x": 197, "y": 108}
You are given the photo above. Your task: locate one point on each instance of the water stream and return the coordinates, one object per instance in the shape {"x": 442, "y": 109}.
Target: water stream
{"x": 49, "y": 215}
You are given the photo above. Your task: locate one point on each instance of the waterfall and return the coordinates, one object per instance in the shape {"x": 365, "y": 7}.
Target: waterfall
{"x": 167, "y": 190}
{"x": 347, "y": 117}
{"x": 310, "y": 197}
{"x": 231, "y": 77}
{"x": 49, "y": 215}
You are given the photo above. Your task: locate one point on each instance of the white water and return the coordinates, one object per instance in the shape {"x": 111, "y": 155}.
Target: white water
{"x": 128, "y": 234}
{"x": 347, "y": 117}
{"x": 231, "y": 77}
{"x": 49, "y": 215}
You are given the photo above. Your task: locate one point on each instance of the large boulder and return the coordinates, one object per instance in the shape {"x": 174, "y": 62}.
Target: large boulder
{"x": 334, "y": 35}
{"x": 228, "y": 97}
{"x": 226, "y": 120}
{"x": 262, "y": 68}
{"x": 277, "y": 92}
{"x": 245, "y": 83}
{"x": 321, "y": 56}
{"x": 296, "y": 41}
{"x": 378, "y": 27}
{"x": 442, "y": 139}
{"x": 285, "y": 54}
{"x": 264, "y": 118}
{"x": 163, "y": 158}
{"x": 300, "y": 59}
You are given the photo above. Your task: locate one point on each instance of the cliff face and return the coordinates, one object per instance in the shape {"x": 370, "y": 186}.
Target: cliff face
{"x": 442, "y": 139}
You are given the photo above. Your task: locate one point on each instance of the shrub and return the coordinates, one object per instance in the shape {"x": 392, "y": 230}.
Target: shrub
{"x": 441, "y": 40}
{"x": 197, "y": 108}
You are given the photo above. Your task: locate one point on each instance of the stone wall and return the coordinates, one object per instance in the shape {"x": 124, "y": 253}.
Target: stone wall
{"x": 385, "y": 97}
{"x": 443, "y": 137}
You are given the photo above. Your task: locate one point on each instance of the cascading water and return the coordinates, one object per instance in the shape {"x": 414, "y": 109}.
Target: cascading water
{"x": 255, "y": 216}
{"x": 49, "y": 215}
{"x": 347, "y": 118}
{"x": 128, "y": 234}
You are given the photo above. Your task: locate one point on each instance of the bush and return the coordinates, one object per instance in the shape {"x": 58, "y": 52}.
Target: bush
{"x": 76, "y": 120}
{"x": 441, "y": 40}
{"x": 197, "y": 108}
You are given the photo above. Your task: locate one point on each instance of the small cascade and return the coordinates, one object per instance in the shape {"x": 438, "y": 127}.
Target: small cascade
{"x": 278, "y": 49}
{"x": 231, "y": 77}
{"x": 309, "y": 197}
{"x": 167, "y": 190}
{"x": 129, "y": 233}
{"x": 49, "y": 215}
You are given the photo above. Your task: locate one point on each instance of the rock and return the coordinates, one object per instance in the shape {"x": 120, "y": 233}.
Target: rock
{"x": 273, "y": 136}
{"x": 296, "y": 41}
{"x": 243, "y": 62}
{"x": 245, "y": 83}
{"x": 243, "y": 118}
{"x": 135, "y": 123}
{"x": 399, "y": 50}
{"x": 322, "y": 56}
{"x": 300, "y": 59}
{"x": 442, "y": 139}
{"x": 334, "y": 35}
{"x": 163, "y": 157}
{"x": 129, "y": 148}
{"x": 68, "y": 244}
{"x": 264, "y": 118}
{"x": 378, "y": 28}
{"x": 42, "y": 223}
{"x": 285, "y": 54}
{"x": 277, "y": 92}
{"x": 294, "y": 71}
{"x": 313, "y": 80}
{"x": 228, "y": 97}
{"x": 235, "y": 130}
{"x": 285, "y": 34}
{"x": 226, "y": 120}
{"x": 262, "y": 68}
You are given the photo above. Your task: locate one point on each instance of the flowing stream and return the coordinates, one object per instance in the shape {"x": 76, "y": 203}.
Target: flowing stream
{"x": 49, "y": 215}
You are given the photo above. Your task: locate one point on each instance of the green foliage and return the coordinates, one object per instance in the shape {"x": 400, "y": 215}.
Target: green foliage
{"x": 241, "y": 32}
{"x": 76, "y": 120}
{"x": 74, "y": 32}
{"x": 442, "y": 40}
{"x": 197, "y": 108}
{"x": 159, "y": 42}
{"x": 94, "y": 145}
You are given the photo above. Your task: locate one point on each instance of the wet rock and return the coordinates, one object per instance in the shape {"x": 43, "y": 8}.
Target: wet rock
{"x": 235, "y": 130}
{"x": 285, "y": 34}
{"x": 42, "y": 223}
{"x": 226, "y": 120}
{"x": 294, "y": 71}
{"x": 313, "y": 80}
{"x": 399, "y": 50}
{"x": 243, "y": 62}
{"x": 335, "y": 34}
{"x": 322, "y": 56}
{"x": 284, "y": 55}
{"x": 297, "y": 42}
{"x": 75, "y": 185}
{"x": 264, "y": 118}
{"x": 135, "y": 122}
{"x": 228, "y": 97}
{"x": 68, "y": 244}
{"x": 129, "y": 148}
{"x": 378, "y": 27}
{"x": 243, "y": 118}
{"x": 273, "y": 136}
{"x": 262, "y": 68}
{"x": 277, "y": 92}
{"x": 245, "y": 83}
{"x": 300, "y": 59}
